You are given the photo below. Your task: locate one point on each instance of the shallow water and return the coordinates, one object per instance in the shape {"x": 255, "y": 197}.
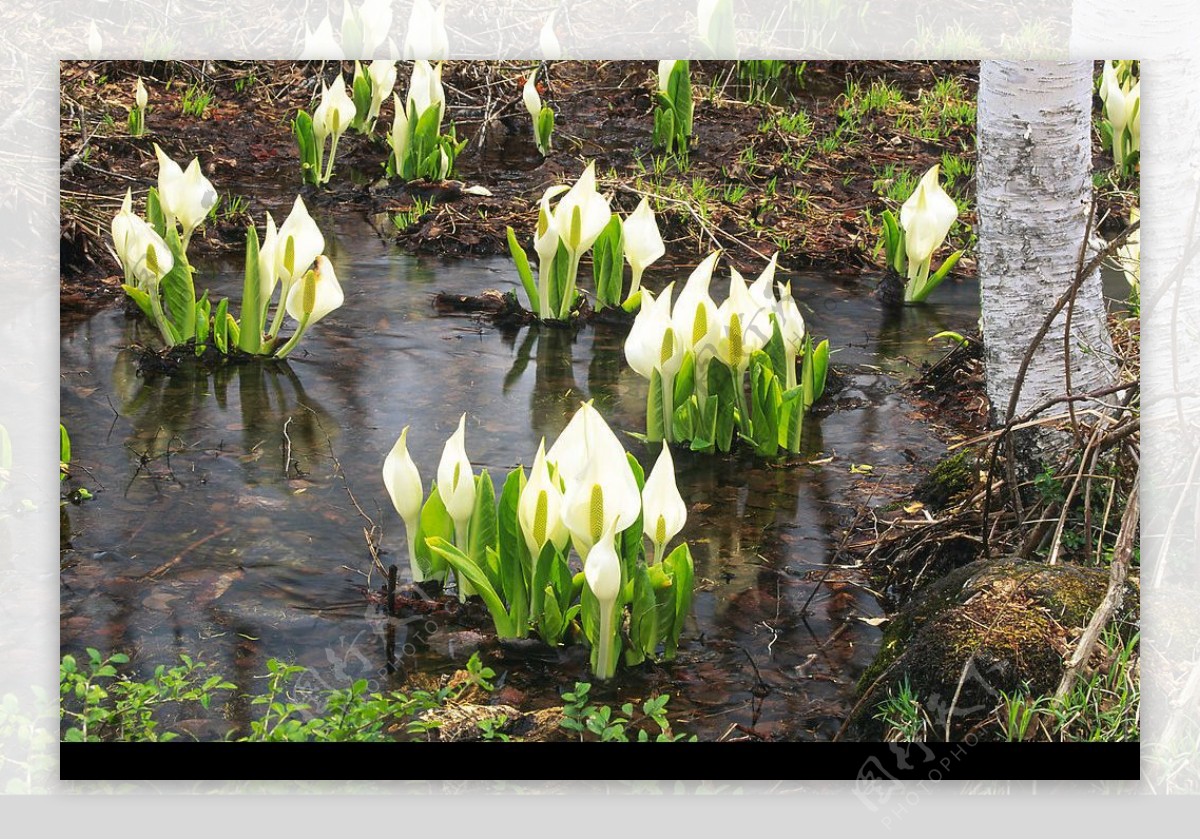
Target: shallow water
{"x": 204, "y": 539}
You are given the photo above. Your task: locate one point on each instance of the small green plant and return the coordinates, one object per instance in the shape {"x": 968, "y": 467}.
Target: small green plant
{"x": 1017, "y": 713}
{"x": 195, "y": 102}
{"x": 64, "y": 452}
{"x": 902, "y": 714}
{"x": 542, "y": 115}
{"x": 97, "y": 704}
{"x": 1103, "y": 707}
{"x": 404, "y": 219}
{"x": 910, "y": 241}
{"x": 940, "y": 110}
{"x": 673, "y": 114}
{"x": 419, "y": 148}
{"x": 894, "y": 183}
{"x": 603, "y": 723}
{"x": 137, "y": 114}
{"x": 478, "y": 674}
{"x": 957, "y": 170}
{"x": 491, "y": 729}
{"x": 244, "y": 83}
{"x": 766, "y": 79}
{"x": 229, "y": 208}
{"x": 734, "y": 193}
{"x": 797, "y": 124}
{"x": 1049, "y": 487}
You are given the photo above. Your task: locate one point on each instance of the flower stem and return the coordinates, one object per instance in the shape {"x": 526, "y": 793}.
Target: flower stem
{"x": 410, "y": 531}
{"x": 463, "y": 544}
{"x": 568, "y": 298}
{"x": 605, "y": 666}
{"x": 332, "y": 154}
{"x": 291, "y": 342}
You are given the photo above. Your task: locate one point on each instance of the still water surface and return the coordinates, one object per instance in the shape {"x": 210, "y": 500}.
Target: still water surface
{"x": 201, "y": 539}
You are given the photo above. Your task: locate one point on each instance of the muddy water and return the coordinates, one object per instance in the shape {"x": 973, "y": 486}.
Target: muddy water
{"x": 222, "y": 526}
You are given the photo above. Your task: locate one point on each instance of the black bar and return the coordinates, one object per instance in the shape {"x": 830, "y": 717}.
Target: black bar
{"x": 874, "y": 763}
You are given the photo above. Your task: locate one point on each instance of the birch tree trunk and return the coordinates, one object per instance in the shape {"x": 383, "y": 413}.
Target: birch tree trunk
{"x": 1034, "y": 189}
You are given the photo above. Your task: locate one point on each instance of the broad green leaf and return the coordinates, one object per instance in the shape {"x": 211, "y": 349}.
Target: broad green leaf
{"x": 466, "y": 569}
{"x": 685, "y": 379}
{"x": 682, "y": 573}
{"x": 654, "y": 408}
{"x": 936, "y": 279}
{"x": 482, "y": 529}
{"x": 435, "y": 523}
{"x": 203, "y": 312}
{"x": 250, "y": 340}
{"x": 630, "y": 543}
{"x": 775, "y": 350}
{"x": 523, "y": 271}
{"x": 221, "y": 326}
{"x": 140, "y": 298}
{"x": 820, "y": 368}
{"x": 608, "y": 263}
{"x": 154, "y": 212}
{"x": 179, "y": 293}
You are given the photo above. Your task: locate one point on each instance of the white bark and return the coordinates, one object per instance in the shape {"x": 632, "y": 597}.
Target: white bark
{"x": 1033, "y": 182}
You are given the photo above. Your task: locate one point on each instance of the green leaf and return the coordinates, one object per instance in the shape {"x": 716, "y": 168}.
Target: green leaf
{"x": 179, "y": 293}
{"x": 775, "y": 350}
{"x": 680, "y": 88}
{"x": 682, "y": 570}
{"x": 654, "y": 408}
{"x": 435, "y": 523}
{"x": 721, "y": 386}
{"x": 362, "y": 94}
{"x": 551, "y": 582}
{"x": 306, "y": 141}
{"x": 820, "y": 368}
{"x": 140, "y": 298}
{"x": 544, "y": 129}
{"x": 630, "y": 543}
{"x": 482, "y": 528}
{"x": 685, "y": 379}
{"x": 523, "y": 271}
{"x": 250, "y": 340}
{"x": 892, "y": 241}
{"x": 608, "y": 263}
{"x": 154, "y": 212}
{"x": 221, "y": 326}
{"x": 936, "y": 279}
{"x": 643, "y": 624}
{"x": 466, "y": 568}
{"x": 203, "y": 309}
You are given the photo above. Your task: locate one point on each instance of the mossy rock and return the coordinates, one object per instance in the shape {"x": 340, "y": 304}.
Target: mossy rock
{"x": 1015, "y": 621}
{"x": 951, "y": 476}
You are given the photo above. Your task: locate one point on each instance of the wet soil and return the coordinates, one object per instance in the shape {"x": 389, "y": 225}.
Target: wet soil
{"x": 752, "y": 185}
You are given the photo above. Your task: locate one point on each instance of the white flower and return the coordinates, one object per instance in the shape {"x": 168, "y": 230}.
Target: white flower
{"x": 456, "y": 481}
{"x": 316, "y": 295}
{"x": 643, "y": 242}
{"x": 663, "y": 510}
{"x": 426, "y": 36}
{"x": 926, "y": 218}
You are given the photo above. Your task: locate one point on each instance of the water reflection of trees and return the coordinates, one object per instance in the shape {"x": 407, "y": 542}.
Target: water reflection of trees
{"x": 167, "y": 411}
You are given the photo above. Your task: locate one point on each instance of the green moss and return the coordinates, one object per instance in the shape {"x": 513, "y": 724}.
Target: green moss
{"x": 1009, "y": 619}
{"x": 951, "y": 476}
